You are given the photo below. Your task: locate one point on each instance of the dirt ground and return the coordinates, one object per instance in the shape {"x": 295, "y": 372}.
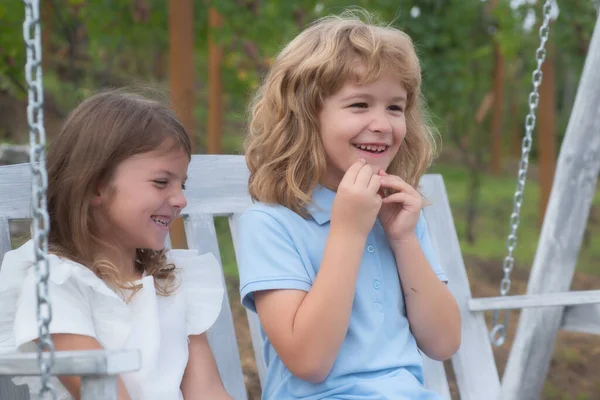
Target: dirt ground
{"x": 575, "y": 366}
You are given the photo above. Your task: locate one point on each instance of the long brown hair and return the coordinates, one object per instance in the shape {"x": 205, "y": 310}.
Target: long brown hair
{"x": 99, "y": 134}
{"x": 284, "y": 152}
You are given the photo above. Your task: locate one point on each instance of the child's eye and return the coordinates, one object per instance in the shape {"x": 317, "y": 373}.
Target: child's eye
{"x": 160, "y": 183}
{"x": 359, "y": 105}
{"x": 397, "y": 108}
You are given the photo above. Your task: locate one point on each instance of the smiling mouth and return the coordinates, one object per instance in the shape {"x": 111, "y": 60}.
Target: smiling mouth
{"x": 161, "y": 221}
{"x": 372, "y": 148}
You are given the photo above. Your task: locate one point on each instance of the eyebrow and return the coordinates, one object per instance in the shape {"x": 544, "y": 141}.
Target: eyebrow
{"x": 171, "y": 174}
{"x": 370, "y": 97}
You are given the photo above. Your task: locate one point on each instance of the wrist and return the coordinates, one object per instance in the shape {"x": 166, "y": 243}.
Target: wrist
{"x": 348, "y": 236}
{"x": 403, "y": 243}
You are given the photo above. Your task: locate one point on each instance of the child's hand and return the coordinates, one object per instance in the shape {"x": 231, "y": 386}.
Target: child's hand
{"x": 357, "y": 201}
{"x": 400, "y": 211}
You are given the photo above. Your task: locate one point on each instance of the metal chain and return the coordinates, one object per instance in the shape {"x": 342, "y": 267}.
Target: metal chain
{"x": 40, "y": 220}
{"x": 498, "y": 332}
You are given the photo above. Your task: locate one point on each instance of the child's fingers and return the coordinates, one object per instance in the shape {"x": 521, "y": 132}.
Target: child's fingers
{"x": 398, "y": 184}
{"x": 364, "y": 176}
{"x": 375, "y": 185}
{"x": 352, "y": 172}
{"x": 408, "y": 202}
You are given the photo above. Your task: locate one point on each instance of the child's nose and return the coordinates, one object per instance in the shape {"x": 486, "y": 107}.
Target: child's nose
{"x": 178, "y": 200}
{"x": 380, "y": 122}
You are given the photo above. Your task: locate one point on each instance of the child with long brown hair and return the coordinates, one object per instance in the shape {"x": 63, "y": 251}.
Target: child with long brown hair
{"x": 334, "y": 255}
{"x": 116, "y": 179}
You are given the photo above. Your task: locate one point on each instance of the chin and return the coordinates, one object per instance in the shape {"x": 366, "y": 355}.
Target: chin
{"x": 156, "y": 245}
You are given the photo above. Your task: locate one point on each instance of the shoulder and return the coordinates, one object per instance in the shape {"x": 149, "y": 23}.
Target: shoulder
{"x": 421, "y": 227}
{"x": 275, "y": 211}
{"x": 18, "y": 269}
{"x": 200, "y": 280}
{"x": 262, "y": 218}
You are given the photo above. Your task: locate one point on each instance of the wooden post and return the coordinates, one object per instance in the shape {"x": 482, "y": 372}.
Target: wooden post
{"x": 562, "y": 233}
{"x": 547, "y": 130}
{"x": 181, "y": 78}
{"x": 498, "y": 110}
{"x": 215, "y": 86}
{"x": 516, "y": 137}
{"x": 498, "y": 105}
{"x": 46, "y": 26}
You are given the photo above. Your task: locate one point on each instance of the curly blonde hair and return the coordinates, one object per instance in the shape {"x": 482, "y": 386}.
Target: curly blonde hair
{"x": 95, "y": 138}
{"x": 284, "y": 151}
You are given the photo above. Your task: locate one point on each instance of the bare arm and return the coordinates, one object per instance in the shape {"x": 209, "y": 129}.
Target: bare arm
{"x": 432, "y": 310}
{"x": 201, "y": 379}
{"x": 307, "y": 329}
{"x": 71, "y": 342}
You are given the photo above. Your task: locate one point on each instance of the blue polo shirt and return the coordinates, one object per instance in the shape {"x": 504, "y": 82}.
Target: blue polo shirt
{"x": 379, "y": 359}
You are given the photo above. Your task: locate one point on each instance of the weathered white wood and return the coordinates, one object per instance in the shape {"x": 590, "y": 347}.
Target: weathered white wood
{"x": 8, "y": 391}
{"x": 99, "y": 388}
{"x": 473, "y": 364}
{"x": 4, "y": 237}
{"x": 15, "y": 191}
{"x": 582, "y": 318}
{"x": 435, "y": 377}
{"x": 535, "y": 300}
{"x": 201, "y": 235}
{"x": 562, "y": 232}
{"x": 89, "y": 362}
{"x": 218, "y": 184}
{"x": 253, "y": 320}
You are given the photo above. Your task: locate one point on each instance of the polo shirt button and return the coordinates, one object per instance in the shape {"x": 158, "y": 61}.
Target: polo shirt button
{"x": 377, "y": 285}
{"x": 370, "y": 248}
{"x": 378, "y": 306}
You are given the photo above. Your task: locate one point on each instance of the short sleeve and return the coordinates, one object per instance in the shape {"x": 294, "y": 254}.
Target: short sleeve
{"x": 427, "y": 247}
{"x": 71, "y": 312}
{"x": 268, "y": 257}
{"x": 202, "y": 284}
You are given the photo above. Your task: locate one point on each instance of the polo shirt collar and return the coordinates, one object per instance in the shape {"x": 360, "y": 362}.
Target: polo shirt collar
{"x": 320, "y": 209}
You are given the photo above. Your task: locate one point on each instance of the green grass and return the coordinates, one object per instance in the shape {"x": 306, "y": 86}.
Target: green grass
{"x": 492, "y": 224}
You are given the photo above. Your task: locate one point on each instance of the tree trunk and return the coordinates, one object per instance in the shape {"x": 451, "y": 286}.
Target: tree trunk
{"x": 181, "y": 42}
{"x": 215, "y": 86}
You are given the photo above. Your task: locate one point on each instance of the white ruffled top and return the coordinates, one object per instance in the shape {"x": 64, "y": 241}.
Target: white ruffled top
{"x": 83, "y": 304}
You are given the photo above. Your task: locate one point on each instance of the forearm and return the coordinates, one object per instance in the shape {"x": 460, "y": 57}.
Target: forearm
{"x": 201, "y": 379}
{"x": 432, "y": 310}
{"x": 321, "y": 322}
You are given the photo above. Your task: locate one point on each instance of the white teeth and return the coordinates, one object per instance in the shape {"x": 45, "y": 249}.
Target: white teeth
{"x": 371, "y": 148}
{"x": 160, "y": 221}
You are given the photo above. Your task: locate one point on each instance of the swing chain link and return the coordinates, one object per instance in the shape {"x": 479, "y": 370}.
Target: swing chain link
{"x": 498, "y": 332}
{"x": 40, "y": 219}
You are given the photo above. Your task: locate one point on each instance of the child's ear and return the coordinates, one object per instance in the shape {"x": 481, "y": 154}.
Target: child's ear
{"x": 98, "y": 195}
{"x": 96, "y": 200}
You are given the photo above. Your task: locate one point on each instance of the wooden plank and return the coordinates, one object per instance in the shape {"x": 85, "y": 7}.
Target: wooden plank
{"x": 582, "y": 318}
{"x": 560, "y": 239}
{"x": 473, "y": 364}
{"x": 5, "y": 245}
{"x": 15, "y": 191}
{"x": 99, "y": 388}
{"x": 435, "y": 377}
{"x": 253, "y": 320}
{"x": 535, "y": 300}
{"x": 89, "y": 362}
{"x": 217, "y": 184}
{"x": 201, "y": 234}
{"x": 9, "y": 391}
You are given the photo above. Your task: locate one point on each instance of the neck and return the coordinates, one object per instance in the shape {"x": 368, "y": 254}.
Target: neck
{"x": 330, "y": 182}
{"x": 124, "y": 260}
